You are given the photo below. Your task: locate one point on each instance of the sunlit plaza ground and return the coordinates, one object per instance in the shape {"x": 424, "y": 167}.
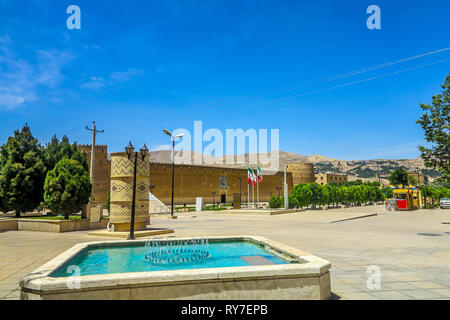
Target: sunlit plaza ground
{"x": 412, "y": 249}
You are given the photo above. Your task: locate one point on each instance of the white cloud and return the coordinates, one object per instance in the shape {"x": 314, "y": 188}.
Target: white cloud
{"x": 113, "y": 79}
{"x": 93, "y": 85}
{"x": 126, "y": 75}
{"x": 20, "y": 79}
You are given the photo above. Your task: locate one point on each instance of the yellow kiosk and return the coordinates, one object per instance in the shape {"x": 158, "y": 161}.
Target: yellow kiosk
{"x": 407, "y": 199}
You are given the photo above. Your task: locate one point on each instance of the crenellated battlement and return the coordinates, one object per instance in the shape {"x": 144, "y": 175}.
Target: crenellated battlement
{"x": 97, "y": 146}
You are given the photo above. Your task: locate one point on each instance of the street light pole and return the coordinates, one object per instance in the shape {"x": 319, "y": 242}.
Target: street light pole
{"x": 173, "y": 175}
{"x": 133, "y": 202}
{"x": 286, "y": 193}
{"x": 173, "y": 163}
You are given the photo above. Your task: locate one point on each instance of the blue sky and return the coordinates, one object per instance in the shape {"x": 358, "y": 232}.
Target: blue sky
{"x": 137, "y": 67}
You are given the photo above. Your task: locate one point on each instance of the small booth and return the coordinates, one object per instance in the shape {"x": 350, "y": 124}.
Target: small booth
{"x": 407, "y": 199}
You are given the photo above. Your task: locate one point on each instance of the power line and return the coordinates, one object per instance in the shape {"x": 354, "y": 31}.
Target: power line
{"x": 323, "y": 80}
{"x": 353, "y": 82}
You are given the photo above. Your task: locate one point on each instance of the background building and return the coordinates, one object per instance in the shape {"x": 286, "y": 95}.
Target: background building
{"x": 301, "y": 172}
{"x": 326, "y": 178}
{"x": 193, "y": 181}
{"x": 419, "y": 177}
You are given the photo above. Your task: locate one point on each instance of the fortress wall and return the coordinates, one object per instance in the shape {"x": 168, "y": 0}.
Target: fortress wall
{"x": 302, "y": 173}
{"x": 193, "y": 181}
{"x": 102, "y": 171}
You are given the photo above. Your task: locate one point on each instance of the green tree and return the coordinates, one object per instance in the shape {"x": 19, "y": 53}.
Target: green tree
{"x": 412, "y": 181}
{"x": 435, "y": 122}
{"x": 22, "y": 173}
{"x": 275, "y": 202}
{"x": 292, "y": 202}
{"x": 399, "y": 177}
{"x": 333, "y": 196}
{"x": 316, "y": 193}
{"x": 388, "y": 193}
{"x": 324, "y": 196}
{"x": 56, "y": 150}
{"x": 302, "y": 194}
{"x": 380, "y": 195}
{"x": 67, "y": 187}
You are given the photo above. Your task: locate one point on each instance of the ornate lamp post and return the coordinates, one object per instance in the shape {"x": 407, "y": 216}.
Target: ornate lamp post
{"x": 279, "y": 191}
{"x": 173, "y": 162}
{"x": 143, "y": 153}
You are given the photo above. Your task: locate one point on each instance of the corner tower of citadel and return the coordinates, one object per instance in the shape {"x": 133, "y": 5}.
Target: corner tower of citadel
{"x": 193, "y": 181}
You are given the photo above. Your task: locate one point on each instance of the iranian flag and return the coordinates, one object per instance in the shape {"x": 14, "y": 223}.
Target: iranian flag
{"x": 254, "y": 177}
{"x": 250, "y": 176}
{"x": 260, "y": 177}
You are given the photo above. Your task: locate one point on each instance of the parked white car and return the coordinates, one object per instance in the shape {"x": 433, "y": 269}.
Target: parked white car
{"x": 445, "y": 203}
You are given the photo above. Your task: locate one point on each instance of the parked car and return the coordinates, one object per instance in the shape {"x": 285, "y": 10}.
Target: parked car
{"x": 445, "y": 203}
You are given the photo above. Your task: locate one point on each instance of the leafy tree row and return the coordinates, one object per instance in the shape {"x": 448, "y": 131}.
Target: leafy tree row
{"x": 435, "y": 193}
{"x": 32, "y": 175}
{"x": 304, "y": 195}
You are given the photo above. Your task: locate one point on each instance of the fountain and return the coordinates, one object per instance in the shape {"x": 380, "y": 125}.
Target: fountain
{"x": 176, "y": 251}
{"x": 220, "y": 267}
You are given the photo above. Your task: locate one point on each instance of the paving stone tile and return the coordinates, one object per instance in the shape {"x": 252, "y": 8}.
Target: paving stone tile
{"x": 443, "y": 292}
{"x": 423, "y": 294}
{"x": 3, "y": 294}
{"x": 353, "y": 280}
{"x": 407, "y": 277}
{"x": 391, "y": 295}
{"x": 346, "y": 288}
{"x": 352, "y": 268}
{"x": 5, "y": 287}
{"x": 359, "y": 296}
{"x": 399, "y": 253}
{"x": 427, "y": 285}
{"x": 399, "y": 286}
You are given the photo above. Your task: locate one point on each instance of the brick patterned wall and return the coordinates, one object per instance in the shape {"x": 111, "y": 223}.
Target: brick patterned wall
{"x": 193, "y": 181}
{"x": 102, "y": 171}
{"x": 325, "y": 178}
{"x": 302, "y": 173}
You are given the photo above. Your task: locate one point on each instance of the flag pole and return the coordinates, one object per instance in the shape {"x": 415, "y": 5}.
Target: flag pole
{"x": 257, "y": 192}
{"x": 248, "y": 195}
{"x": 253, "y": 189}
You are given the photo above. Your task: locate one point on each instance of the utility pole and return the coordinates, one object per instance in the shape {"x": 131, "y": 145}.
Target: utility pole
{"x": 91, "y": 173}
{"x": 379, "y": 178}
{"x": 286, "y": 192}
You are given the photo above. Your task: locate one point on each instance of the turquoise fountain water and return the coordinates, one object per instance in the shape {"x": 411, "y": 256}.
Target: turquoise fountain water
{"x": 132, "y": 258}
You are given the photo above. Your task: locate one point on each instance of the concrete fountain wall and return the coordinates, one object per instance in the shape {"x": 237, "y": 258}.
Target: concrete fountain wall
{"x": 309, "y": 279}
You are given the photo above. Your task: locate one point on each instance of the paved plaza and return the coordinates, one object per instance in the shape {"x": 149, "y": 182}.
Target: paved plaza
{"x": 411, "y": 249}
